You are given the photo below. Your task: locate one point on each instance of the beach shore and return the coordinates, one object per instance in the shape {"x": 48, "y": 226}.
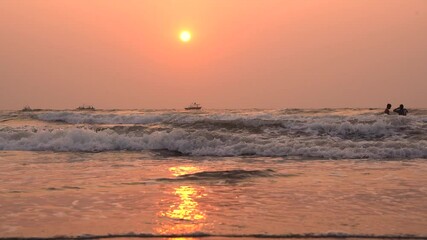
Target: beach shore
{"x": 45, "y": 194}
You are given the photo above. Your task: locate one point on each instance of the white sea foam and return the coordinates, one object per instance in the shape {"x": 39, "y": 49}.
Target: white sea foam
{"x": 324, "y": 123}
{"x": 324, "y": 133}
{"x": 205, "y": 142}
{"x": 92, "y": 118}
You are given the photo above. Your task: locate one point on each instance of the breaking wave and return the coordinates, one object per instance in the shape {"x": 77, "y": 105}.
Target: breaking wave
{"x": 253, "y": 118}
{"x": 315, "y": 133}
{"x": 96, "y": 118}
{"x": 202, "y": 142}
{"x": 347, "y": 126}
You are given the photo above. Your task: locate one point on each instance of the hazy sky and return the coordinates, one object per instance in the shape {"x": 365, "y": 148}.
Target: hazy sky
{"x": 243, "y": 53}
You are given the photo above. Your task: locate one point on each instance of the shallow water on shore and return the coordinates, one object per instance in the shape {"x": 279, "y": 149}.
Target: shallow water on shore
{"x": 47, "y": 194}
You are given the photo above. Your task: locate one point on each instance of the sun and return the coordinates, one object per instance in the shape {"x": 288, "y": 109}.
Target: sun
{"x": 185, "y": 36}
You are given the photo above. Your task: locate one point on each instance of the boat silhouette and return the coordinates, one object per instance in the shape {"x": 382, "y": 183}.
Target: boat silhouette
{"x": 194, "y": 106}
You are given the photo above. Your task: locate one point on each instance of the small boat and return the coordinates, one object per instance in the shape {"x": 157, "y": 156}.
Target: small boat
{"x": 194, "y": 106}
{"x": 26, "y": 109}
{"x": 86, "y": 108}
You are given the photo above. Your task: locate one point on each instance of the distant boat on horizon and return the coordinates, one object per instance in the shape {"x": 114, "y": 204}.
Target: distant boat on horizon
{"x": 194, "y": 106}
{"x": 86, "y": 108}
{"x": 26, "y": 109}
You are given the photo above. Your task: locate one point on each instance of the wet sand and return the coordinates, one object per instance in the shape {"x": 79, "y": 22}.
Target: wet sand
{"x": 44, "y": 194}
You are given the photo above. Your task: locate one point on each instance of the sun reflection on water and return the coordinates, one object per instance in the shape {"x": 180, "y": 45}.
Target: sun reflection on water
{"x": 182, "y": 212}
{"x": 187, "y": 208}
{"x": 182, "y": 170}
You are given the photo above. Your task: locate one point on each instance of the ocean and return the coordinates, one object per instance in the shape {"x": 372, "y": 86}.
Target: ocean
{"x": 250, "y": 173}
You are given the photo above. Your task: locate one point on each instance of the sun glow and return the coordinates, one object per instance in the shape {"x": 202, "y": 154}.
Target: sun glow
{"x": 185, "y": 36}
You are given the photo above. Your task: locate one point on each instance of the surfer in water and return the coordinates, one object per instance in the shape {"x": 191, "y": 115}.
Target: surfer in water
{"x": 387, "y": 109}
{"x": 401, "y": 110}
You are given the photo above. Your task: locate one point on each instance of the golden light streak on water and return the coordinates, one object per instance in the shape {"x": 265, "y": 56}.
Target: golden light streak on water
{"x": 182, "y": 170}
{"x": 187, "y": 208}
{"x": 184, "y": 214}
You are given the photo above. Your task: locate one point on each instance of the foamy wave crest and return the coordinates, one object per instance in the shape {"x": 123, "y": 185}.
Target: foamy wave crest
{"x": 208, "y": 143}
{"x": 96, "y": 118}
{"x": 364, "y": 127}
{"x": 157, "y": 117}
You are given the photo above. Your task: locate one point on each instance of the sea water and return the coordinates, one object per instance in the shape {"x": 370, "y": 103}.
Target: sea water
{"x": 240, "y": 173}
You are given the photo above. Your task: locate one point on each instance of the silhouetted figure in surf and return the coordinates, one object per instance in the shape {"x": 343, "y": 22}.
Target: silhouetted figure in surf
{"x": 401, "y": 110}
{"x": 387, "y": 109}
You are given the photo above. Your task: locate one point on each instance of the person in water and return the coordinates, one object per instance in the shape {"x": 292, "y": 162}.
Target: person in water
{"x": 387, "y": 109}
{"x": 401, "y": 110}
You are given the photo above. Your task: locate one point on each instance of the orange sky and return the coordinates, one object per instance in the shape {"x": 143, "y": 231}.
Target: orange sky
{"x": 243, "y": 54}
